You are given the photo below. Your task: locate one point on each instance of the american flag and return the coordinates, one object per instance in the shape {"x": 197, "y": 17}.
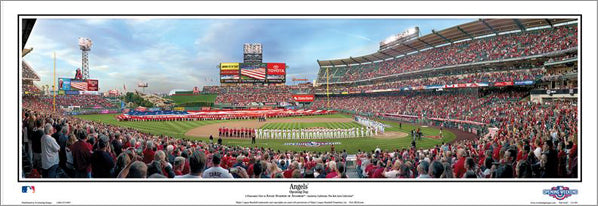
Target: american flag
{"x": 82, "y": 86}
{"x": 257, "y": 73}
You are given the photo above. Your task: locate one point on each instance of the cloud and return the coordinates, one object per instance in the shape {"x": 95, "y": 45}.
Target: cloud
{"x": 357, "y": 36}
{"x": 96, "y": 21}
{"x": 101, "y": 68}
{"x": 183, "y": 53}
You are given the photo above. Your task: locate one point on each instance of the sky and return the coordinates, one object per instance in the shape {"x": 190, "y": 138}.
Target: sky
{"x": 183, "y": 53}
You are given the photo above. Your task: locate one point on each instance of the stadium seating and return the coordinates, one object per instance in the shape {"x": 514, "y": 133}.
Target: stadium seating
{"x": 517, "y": 121}
{"x": 83, "y": 101}
{"x": 516, "y": 139}
{"x": 244, "y": 95}
{"x": 502, "y": 76}
{"x": 520, "y": 131}
{"x": 485, "y": 49}
{"x": 31, "y": 89}
{"x": 28, "y": 72}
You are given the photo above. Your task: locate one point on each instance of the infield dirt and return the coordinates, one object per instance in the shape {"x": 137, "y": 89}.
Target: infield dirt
{"x": 212, "y": 129}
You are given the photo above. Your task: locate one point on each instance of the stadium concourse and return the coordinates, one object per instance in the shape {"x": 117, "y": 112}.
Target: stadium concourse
{"x": 512, "y": 83}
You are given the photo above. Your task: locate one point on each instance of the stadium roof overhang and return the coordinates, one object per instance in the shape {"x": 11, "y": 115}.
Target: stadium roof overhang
{"x": 27, "y": 27}
{"x": 26, "y": 51}
{"x": 467, "y": 31}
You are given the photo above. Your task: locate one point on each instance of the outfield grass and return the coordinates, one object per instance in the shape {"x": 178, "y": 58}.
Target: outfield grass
{"x": 174, "y": 129}
{"x": 180, "y": 99}
{"x": 178, "y": 130}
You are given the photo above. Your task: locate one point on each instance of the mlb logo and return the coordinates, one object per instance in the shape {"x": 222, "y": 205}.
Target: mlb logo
{"x": 28, "y": 189}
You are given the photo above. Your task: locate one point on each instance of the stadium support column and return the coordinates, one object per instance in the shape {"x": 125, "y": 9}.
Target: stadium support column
{"x": 85, "y": 64}
{"x": 54, "y": 86}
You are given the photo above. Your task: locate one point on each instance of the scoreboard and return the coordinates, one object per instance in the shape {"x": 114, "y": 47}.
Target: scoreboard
{"x": 68, "y": 84}
{"x": 252, "y": 72}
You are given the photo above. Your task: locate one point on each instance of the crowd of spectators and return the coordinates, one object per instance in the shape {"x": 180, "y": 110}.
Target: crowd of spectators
{"x": 87, "y": 149}
{"x": 31, "y": 88}
{"x": 28, "y": 72}
{"x": 245, "y": 95}
{"x": 540, "y": 139}
{"x": 491, "y": 109}
{"x": 505, "y": 46}
{"x": 301, "y": 89}
{"x": 532, "y": 141}
{"x": 450, "y": 105}
{"x": 82, "y": 101}
{"x": 490, "y": 77}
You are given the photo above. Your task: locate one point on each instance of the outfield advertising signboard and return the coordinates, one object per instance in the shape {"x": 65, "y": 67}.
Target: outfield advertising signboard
{"x": 276, "y": 68}
{"x": 303, "y": 97}
{"x": 503, "y": 84}
{"x": 92, "y": 85}
{"x": 64, "y": 84}
{"x": 69, "y": 92}
{"x": 252, "y": 72}
{"x": 276, "y": 78}
{"x": 229, "y": 72}
{"x": 276, "y": 72}
{"x": 525, "y": 82}
{"x": 67, "y": 84}
{"x": 229, "y": 78}
{"x": 229, "y": 66}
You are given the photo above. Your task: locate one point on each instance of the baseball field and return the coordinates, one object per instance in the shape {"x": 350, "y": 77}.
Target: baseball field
{"x": 395, "y": 137}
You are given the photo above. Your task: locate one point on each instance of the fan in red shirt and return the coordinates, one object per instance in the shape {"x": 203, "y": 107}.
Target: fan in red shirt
{"x": 289, "y": 172}
{"x": 379, "y": 172}
{"x": 333, "y": 171}
{"x": 459, "y": 168}
{"x": 148, "y": 153}
{"x": 371, "y": 168}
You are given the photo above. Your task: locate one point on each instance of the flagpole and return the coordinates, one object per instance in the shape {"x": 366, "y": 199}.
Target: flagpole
{"x": 54, "y": 86}
{"x": 327, "y": 91}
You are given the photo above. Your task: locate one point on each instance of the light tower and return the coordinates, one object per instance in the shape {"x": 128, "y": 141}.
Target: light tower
{"x": 85, "y": 46}
{"x": 143, "y": 85}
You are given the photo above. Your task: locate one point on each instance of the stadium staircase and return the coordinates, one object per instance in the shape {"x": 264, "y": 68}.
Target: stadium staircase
{"x": 352, "y": 172}
{"x": 351, "y": 168}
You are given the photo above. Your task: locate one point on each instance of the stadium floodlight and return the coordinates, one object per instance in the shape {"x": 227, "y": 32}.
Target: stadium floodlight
{"x": 390, "y": 39}
{"x": 411, "y": 31}
{"x": 85, "y": 46}
{"x": 143, "y": 85}
{"x": 408, "y": 34}
{"x": 85, "y": 43}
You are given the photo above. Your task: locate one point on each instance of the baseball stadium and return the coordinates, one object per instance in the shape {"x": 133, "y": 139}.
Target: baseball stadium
{"x": 487, "y": 98}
